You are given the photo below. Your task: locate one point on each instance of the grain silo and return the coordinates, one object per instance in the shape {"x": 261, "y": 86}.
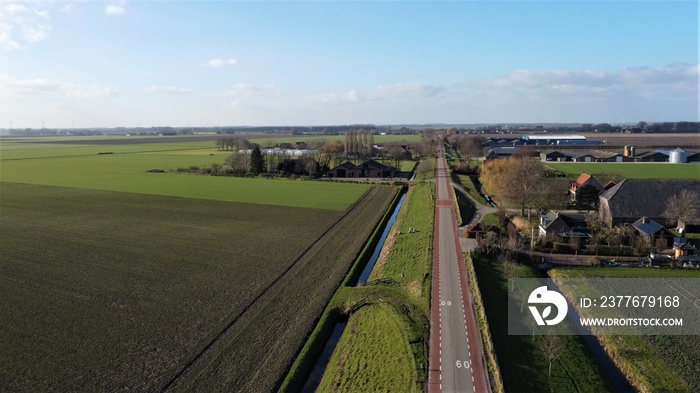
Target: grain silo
{"x": 678, "y": 156}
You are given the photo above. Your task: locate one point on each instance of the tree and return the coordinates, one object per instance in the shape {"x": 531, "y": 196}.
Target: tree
{"x": 396, "y": 155}
{"x": 526, "y": 176}
{"x": 470, "y": 147}
{"x": 587, "y": 196}
{"x": 257, "y": 162}
{"x": 548, "y": 195}
{"x": 609, "y": 175}
{"x": 552, "y": 347}
{"x": 682, "y": 206}
{"x": 238, "y": 162}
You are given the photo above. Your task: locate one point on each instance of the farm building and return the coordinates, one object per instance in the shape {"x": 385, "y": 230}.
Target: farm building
{"x": 563, "y": 140}
{"x": 653, "y": 156}
{"x": 507, "y": 151}
{"x": 369, "y": 168}
{"x": 631, "y": 199}
{"x": 552, "y": 155}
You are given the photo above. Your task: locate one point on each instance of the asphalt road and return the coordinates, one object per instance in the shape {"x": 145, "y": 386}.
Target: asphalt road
{"x": 456, "y": 361}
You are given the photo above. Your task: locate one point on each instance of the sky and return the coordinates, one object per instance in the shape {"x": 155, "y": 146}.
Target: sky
{"x": 66, "y": 64}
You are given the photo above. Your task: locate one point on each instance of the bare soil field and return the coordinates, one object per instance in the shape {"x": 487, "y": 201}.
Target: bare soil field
{"x": 107, "y": 291}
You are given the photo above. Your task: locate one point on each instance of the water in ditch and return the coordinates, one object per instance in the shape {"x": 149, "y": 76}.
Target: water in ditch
{"x": 325, "y": 357}
{"x": 322, "y": 362}
{"x": 375, "y": 255}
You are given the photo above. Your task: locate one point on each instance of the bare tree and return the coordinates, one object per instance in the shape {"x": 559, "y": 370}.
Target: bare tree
{"x": 682, "y": 206}
{"x": 552, "y": 347}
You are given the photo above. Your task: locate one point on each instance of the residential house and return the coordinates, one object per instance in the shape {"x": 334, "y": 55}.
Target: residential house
{"x": 565, "y": 226}
{"x": 683, "y": 249}
{"x": 631, "y": 198}
{"x": 658, "y": 236}
{"x": 581, "y": 181}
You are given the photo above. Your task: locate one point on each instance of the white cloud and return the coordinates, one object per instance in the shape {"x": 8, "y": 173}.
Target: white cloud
{"x": 349, "y": 96}
{"x": 249, "y": 89}
{"x": 21, "y": 25}
{"x": 676, "y": 76}
{"x": 168, "y": 89}
{"x": 397, "y": 90}
{"x": 221, "y": 63}
{"x": 12, "y": 87}
{"x": 117, "y": 8}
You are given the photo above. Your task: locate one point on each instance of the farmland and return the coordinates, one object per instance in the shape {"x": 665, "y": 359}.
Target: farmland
{"x": 384, "y": 346}
{"x": 651, "y": 363}
{"x": 125, "y": 170}
{"x": 629, "y": 170}
{"x": 521, "y": 360}
{"x": 117, "y": 279}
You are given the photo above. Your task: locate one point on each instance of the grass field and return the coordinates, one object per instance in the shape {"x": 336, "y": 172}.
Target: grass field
{"x": 522, "y": 364}
{"x": 112, "y": 278}
{"x": 127, "y": 172}
{"x": 384, "y": 346}
{"x": 373, "y": 355}
{"x": 651, "y": 363}
{"x": 629, "y": 170}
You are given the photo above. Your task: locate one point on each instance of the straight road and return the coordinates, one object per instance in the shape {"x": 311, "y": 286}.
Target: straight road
{"x": 456, "y": 361}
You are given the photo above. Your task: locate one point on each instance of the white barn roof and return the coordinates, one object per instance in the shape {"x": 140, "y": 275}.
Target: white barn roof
{"x": 550, "y": 137}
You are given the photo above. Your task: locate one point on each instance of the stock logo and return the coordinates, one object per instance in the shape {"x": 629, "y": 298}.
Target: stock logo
{"x": 543, "y": 296}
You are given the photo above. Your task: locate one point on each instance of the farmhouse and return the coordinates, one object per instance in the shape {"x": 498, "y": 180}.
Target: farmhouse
{"x": 563, "y": 225}
{"x": 581, "y": 181}
{"x": 369, "y": 168}
{"x": 655, "y": 233}
{"x": 629, "y": 200}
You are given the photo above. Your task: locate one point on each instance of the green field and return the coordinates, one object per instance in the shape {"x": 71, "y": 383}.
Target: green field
{"x": 372, "y": 355}
{"x": 651, "y": 363}
{"x": 112, "y": 278}
{"x": 629, "y": 170}
{"x": 523, "y": 366}
{"x": 82, "y": 167}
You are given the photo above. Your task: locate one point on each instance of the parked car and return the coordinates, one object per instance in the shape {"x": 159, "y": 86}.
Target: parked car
{"x": 610, "y": 263}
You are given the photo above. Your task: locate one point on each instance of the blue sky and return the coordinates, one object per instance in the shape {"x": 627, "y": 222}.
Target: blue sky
{"x": 201, "y": 63}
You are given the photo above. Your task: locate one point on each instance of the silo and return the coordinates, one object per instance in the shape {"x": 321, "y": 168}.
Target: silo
{"x": 678, "y": 156}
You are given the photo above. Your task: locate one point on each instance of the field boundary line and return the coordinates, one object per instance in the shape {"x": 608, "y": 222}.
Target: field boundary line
{"x": 249, "y": 309}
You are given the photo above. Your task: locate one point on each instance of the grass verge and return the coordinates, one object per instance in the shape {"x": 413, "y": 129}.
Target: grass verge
{"x": 466, "y": 183}
{"x": 650, "y": 363}
{"x": 492, "y": 368}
